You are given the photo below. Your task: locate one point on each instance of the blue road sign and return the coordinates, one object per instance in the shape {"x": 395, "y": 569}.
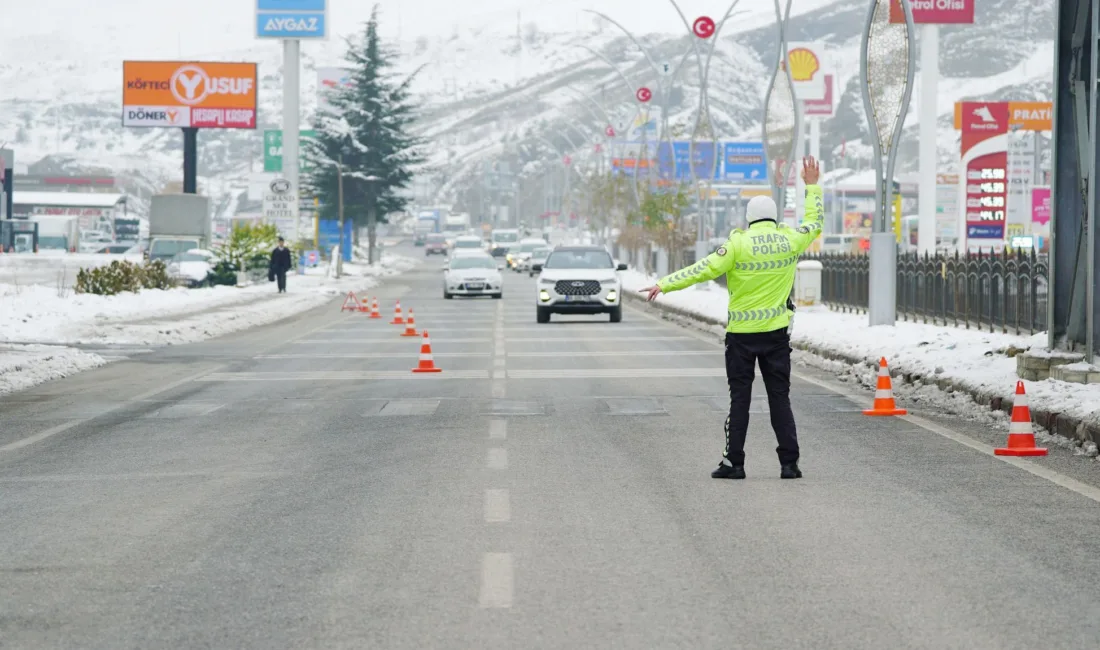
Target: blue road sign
{"x": 745, "y": 161}
{"x": 298, "y": 19}
{"x": 328, "y": 234}
{"x": 678, "y": 165}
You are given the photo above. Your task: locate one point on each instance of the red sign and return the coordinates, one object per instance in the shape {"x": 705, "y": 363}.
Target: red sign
{"x": 986, "y": 196}
{"x": 821, "y": 107}
{"x": 610, "y": 131}
{"x": 935, "y": 12}
{"x": 703, "y": 27}
{"x": 224, "y": 118}
{"x": 981, "y": 121}
{"x": 643, "y": 94}
{"x": 567, "y": 160}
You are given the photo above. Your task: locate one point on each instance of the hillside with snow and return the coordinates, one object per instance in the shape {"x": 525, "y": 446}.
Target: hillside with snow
{"x": 495, "y": 84}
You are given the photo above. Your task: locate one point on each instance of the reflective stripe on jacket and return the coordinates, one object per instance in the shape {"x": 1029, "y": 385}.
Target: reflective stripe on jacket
{"x": 759, "y": 264}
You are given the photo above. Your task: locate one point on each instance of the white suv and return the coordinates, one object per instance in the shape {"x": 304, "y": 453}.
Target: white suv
{"x": 579, "y": 280}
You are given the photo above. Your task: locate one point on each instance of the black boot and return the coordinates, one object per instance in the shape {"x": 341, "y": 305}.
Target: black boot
{"x": 790, "y": 471}
{"x": 728, "y": 471}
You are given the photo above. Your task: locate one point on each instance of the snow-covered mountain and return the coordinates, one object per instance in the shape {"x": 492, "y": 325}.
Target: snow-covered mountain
{"x": 497, "y": 86}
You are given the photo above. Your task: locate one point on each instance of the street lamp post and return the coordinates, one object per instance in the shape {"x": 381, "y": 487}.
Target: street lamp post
{"x": 886, "y": 71}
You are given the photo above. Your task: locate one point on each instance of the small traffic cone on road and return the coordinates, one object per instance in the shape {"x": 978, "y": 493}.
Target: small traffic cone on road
{"x": 374, "y": 309}
{"x": 1021, "y": 435}
{"x": 426, "y": 362}
{"x": 364, "y": 305}
{"x": 884, "y": 394}
{"x": 397, "y": 320}
{"x": 410, "y": 327}
{"x": 351, "y": 303}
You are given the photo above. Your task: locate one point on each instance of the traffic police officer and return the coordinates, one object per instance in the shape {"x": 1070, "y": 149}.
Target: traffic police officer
{"x": 759, "y": 265}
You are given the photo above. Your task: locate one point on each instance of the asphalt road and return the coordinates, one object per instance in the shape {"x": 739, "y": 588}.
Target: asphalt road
{"x": 296, "y": 486}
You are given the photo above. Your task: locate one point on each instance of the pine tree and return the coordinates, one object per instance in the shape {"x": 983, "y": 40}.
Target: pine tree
{"x": 367, "y": 133}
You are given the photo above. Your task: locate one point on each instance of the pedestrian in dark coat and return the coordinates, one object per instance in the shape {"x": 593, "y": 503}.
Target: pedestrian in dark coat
{"x": 280, "y": 263}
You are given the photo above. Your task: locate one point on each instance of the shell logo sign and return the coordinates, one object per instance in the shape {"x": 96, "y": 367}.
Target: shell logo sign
{"x": 189, "y": 94}
{"x": 804, "y": 64}
{"x": 807, "y": 70}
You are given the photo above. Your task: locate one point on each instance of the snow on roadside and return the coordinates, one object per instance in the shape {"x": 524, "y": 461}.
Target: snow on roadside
{"x": 970, "y": 358}
{"x": 39, "y": 314}
{"x": 23, "y": 366}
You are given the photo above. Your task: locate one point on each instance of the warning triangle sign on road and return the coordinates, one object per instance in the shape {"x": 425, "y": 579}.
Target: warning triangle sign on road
{"x": 351, "y": 303}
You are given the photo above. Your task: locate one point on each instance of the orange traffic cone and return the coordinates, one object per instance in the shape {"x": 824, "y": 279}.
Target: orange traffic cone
{"x": 364, "y": 305}
{"x": 374, "y": 309}
{"x": 397, "y": 320}
{"x": 1021, "y": 437}
{"x": 884, "y": 394}
{"x": 426, "y": 363}
{"x": 351, "y": 303}
{"x": 410, "y": 327}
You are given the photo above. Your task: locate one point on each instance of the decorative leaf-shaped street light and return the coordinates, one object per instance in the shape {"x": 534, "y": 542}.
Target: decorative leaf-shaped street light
{"x": 887, "y": 64}
{"x": 781, "y": 117}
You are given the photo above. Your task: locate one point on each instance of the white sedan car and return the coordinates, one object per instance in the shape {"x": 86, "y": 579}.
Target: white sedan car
{"x": 472, "y": 275}
{"x": 192, "y": 267}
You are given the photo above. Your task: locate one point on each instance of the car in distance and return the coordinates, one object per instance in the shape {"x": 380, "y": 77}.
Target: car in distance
{"x": 468, "y": 243}
{"x": 578, "y": 280}
{"x": 519, "y": 254}
{"x": 435, "y": 244}
{"x": 501, "y": 240}
{"x": 191, "y": 268}
{"x": 538, "y": 256}
{"x": 472, "y": 275}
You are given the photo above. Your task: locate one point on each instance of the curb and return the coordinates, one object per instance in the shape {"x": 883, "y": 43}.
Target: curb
{"x": 1065, "y": 425}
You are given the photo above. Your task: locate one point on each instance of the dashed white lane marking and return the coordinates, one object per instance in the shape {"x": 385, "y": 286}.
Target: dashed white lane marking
{"x": 498, "y": 429}
{"x": 616, "y": 373}
{"x": 368, "y": 355}
{"x": 499, "y": 362}
{"x": 387, "y": 339}
{"x": 589, "y": 339}
{"x": 498, "y": 508}
{"x": 499, "y": 350}
{"x": 497, "y": 580}
{"x": 613, "y": 353}
{"x": 498, "y": 458}
{"x": 499, "y": 374}
{"x": 499, "y": 389}
{"x": 336, "y": 375}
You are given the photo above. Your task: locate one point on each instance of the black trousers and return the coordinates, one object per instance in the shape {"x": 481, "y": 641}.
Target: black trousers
{"x": 281, "y": 277}
{"x": 773, "y": 351}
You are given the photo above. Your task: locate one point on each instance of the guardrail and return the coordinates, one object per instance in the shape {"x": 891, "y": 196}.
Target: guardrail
{"x": 1005, "y": 291}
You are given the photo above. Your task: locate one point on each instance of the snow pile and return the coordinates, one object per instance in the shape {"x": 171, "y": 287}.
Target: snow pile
{"x": 39, "y": 314}
{"x": 970, "y": 359}
{"x": 23, "y": 366}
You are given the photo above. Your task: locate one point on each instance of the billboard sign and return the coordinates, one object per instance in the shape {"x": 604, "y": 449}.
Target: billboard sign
{"x": 744, "y": 161}
{"x": 825, "y": 106}
{"x": 807, "y": 62}
{"x": 986, "y": 197}
{"x": 329, "y": 80}
{"x": 273, "y": 149}
{"x": 292, "y": 19}
{"x": 189, "y": 94}
{"x": 935, "y": 12}
{"x": 280, "y": 203}
{"x": 1040, "y": 211}
{"x": 1026, "y": 116}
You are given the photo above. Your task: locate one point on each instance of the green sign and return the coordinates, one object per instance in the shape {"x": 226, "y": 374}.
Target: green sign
{"x": 273, "y": 150}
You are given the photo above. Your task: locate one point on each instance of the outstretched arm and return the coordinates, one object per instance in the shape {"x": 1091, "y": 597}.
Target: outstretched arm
{"x": 717, "y": 263}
